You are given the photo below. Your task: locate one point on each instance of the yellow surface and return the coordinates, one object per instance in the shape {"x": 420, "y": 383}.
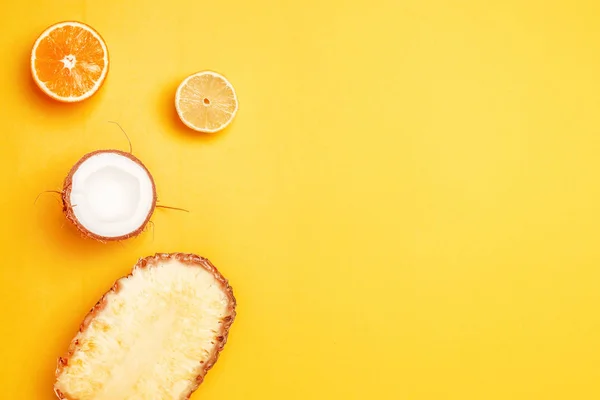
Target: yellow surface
{"x": 407, "y": 203}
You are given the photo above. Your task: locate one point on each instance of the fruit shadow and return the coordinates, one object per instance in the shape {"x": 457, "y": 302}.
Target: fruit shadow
{"x": 46, "y": 373}
{"x": 61, "y": 232}
{"x": 166, "y": 107}
{"x": 48, "y": 106}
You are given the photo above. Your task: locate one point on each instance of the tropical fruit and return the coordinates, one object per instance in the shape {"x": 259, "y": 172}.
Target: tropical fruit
{"x": 153, "y": 336}
{"x": 109, "y": 195}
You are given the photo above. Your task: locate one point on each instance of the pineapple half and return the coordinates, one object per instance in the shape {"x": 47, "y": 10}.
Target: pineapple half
{"x": 154, "y": 335}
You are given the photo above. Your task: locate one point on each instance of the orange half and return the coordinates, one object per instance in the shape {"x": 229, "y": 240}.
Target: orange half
{"x": 69, "y": 61}
{"x": 206, "y": 102}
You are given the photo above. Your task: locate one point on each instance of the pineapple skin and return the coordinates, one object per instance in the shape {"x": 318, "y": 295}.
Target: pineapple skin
{"x": 191, "y": 260}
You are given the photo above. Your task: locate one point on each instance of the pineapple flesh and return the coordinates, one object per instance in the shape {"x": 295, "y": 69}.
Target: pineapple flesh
{"x": 153, "y": 336}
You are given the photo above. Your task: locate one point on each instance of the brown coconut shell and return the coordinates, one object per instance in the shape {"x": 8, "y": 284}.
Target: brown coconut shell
{"x": 192, "y": 260}
{"x": 68, "y": 207}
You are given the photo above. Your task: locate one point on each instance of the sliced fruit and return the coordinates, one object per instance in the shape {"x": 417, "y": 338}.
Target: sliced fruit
{"x": 69, "y": 61}
{"x": 109, "y": 195}
{"x": 153, "y": 336}
{"x": 206, "y": 102}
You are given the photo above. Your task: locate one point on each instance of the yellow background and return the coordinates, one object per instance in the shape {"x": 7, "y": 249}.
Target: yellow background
{"x": 407, "y": 203}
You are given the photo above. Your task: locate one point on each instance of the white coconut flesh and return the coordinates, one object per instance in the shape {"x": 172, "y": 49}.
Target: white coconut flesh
{"x": 151, "y": 339}
{"x": 111, "y": 195}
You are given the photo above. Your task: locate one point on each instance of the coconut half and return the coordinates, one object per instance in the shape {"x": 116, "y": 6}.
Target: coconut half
{"x": 109, "y": 195}
{"x": 153, "y": 336}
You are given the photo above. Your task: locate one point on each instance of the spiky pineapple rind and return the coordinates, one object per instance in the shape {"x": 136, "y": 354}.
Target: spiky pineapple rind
{"x": 191, "y": 260}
